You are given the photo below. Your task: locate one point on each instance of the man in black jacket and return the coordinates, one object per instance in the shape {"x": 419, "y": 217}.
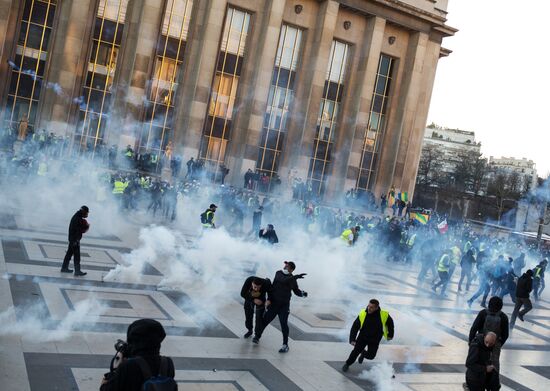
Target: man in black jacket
{"x": 372, "y": 324}
{"x": 478, "y": 362}
{"x": 269, "y": 234}
{"x": 278, "y": 301}
{"x": 492, "y": 319}
{"x": 144, "y": 337}
{"x": 254, "y": 293}
{"x": 77, "y": 227}
{"x": 524, "y": 287}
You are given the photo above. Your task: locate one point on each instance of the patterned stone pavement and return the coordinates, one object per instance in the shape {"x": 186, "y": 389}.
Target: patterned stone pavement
{"x": 427, "y": 354}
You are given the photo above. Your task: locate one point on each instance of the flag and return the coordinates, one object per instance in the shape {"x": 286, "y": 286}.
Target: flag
{"x": 443, "y": 227}
{"x": 391, "y": 197}
{"x": 421, "y": 218}
{"x": 404, "y": 196}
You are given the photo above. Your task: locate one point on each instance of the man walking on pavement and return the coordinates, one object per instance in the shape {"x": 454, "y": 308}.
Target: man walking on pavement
{"x": 77, "y": 227}
{"x": 278, "y": 301}
{"x": 492, "y": 319}
{"x": 538, "y": 278}
{"x": 443, "y": 267}
{"x": 524, "y": 287}
{"x": 254, "y": 292}
{"x": 372, "y": 324}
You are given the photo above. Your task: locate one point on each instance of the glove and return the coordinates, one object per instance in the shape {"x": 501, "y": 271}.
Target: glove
{"x": 304, "y": 294}
{"x": 301, "y": 275}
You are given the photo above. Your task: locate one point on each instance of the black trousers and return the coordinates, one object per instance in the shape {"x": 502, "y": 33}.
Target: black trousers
{"x": 281, "y": 310}
{"x": 249, "y": 309}
{"x": 72, "y": 250}
{"x": 360, "y": 345}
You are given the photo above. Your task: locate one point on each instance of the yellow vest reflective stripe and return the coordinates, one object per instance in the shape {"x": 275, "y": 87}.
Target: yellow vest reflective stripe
{"x": 410, "y": 241}
{"x": 345, "y": 235}
{"x": 209, "y": 224}
{"x": 443, "y": 265}
{"x": 383, "y": 317}
{"x": 42, "y": 169}
{"x": 538, "y": 270}
{"x": 119, "y": 187}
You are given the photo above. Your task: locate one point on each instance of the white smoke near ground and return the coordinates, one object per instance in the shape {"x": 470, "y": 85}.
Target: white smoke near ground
{"x": 35, "y": 325}
{"x": 381, "y": 374}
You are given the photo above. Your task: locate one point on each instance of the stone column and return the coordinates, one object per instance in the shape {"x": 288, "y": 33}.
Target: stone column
{"x": 67, "y": 67}
{"x": 10, "y": 11}
{"x": 140, "y": 32}
{"x": 405, "y": 113}
{"x": 312, "y": 76}
{"x": 199, "y": 64}
{"x": 254, "y": 87}
{"x": 412, "y": 149}
{"x": 354, "y": 118}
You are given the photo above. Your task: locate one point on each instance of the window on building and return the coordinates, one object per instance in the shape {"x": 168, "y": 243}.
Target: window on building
{"x": 328, "y": 114}
{"x": 376, "y": 124}
{"x": 279, "y": 101}
{"x": 95, "y": 99}
{"x": 217, "y": 128}
{"x": 28, "y": 66}
{"x": 157, "y": 131}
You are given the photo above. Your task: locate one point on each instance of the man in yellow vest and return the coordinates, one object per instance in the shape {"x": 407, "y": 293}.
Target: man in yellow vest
{"x": 443, "y": 267}
{"x": 367, "y": 331}
{"x": 350, "y": 235}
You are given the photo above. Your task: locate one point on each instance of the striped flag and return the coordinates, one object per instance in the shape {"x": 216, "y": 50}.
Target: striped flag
{"x": 443, "y": 227}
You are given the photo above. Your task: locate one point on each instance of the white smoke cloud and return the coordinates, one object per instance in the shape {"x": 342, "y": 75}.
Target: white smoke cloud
{"x": 381, "y": 375}
{"x": 35, "y": 326}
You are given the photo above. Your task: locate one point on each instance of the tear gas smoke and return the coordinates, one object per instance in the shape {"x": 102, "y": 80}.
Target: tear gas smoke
{"x": 35, "y": 325}
{"x": 381, "y": 375}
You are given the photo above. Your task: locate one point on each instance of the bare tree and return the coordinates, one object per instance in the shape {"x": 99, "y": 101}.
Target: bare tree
{"x": 429, "y": 168}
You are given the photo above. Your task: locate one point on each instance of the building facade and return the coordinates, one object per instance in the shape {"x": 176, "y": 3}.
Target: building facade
{"x": 453, "y": 144}
{"x": 334, "y": 92}
{"x": 525, "y": 170}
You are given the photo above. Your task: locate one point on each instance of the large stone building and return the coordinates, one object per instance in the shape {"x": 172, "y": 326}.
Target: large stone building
{"x": 335, "y": 92}
{"x": 453, "y": 144}
{"x": 525, "y": 170}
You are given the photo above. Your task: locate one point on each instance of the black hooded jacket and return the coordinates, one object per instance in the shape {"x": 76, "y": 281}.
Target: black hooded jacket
{"x": 77, "y": 226}
{"x": 372, "y": 328}
{"x": 282, "y": 288}
{"x": 144, "y": 337}
{"x": 525, "y": 286}
{"x": 269, "y": 235}
{"x": 249, "y": 295}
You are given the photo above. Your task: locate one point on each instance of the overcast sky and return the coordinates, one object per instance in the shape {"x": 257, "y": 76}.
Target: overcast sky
{"x": 497, "y": 80}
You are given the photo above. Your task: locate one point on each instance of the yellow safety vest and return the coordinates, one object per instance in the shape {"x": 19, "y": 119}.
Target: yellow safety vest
{"x": 42, "y": 169}
{"x": 410, "y": 241}
{"x": 345, "y": 235}
{"x": 443, "y": 265}
{"x": 467, "y": 246}
{"x": 537, "y": 271}
{"x": 209, "y": 225}
{"x": 383, "y": 317}
{"x": 119, "y": 187}
{"x": 456, "y": 255}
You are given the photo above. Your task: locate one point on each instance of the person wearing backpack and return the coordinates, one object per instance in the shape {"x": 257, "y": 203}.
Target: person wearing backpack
{"x": 207, "y": 217}
{"x": 142, "y": 368}
{"x": 494, "y": 320}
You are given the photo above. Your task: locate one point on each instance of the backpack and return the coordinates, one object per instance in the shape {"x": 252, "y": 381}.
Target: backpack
{"x": 203, "y": 217}
{"x": 492, "y": 323}
{"x": 160, "y": 382}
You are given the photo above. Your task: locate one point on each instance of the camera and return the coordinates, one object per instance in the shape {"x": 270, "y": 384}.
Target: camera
{"x": 122, "y": 347}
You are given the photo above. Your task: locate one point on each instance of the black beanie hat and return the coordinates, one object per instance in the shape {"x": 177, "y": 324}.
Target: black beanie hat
{"x": 145, "y": 334}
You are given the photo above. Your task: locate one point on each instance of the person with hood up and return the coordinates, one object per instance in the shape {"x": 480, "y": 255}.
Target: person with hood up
{"x": 144, "y": 337}
{"x": 77, "y": 227}
{"x": 278, "y": 301}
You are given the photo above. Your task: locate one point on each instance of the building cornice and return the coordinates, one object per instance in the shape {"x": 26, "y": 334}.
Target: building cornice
{"x": 402, "y": 14}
